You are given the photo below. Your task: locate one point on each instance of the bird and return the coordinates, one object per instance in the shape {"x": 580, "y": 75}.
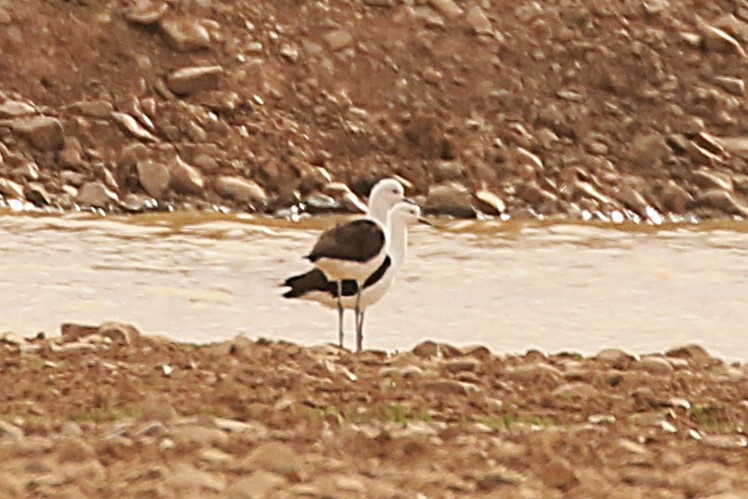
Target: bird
{"x": 355, "y": 250}
{"x": 313, "y": 285}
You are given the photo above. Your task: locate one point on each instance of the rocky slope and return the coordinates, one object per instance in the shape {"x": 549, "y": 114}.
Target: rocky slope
{"x": 622, "y": 109}
{"x": 106, "y": 412}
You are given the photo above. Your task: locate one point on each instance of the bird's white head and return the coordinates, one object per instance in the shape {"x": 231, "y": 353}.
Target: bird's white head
{"x": 384, "y": 195}
{"x": 405, "y": 213}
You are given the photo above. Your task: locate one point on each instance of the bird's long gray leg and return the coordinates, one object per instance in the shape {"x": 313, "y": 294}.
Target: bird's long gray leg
{"x": 360, "y": 334}
{"x": 340, "y": 313}
{"x": 359, "y": 322}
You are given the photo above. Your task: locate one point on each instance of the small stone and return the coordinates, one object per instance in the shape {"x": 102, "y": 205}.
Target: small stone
{"x": 675, "y": 198}
{"x": 239, "y": 189}
{"x": 215, "y": 456}
{"x": 11, "y": 189}
{"x": 449, "y": 387}
{"x": 96, "y": 194}
{"x": 133, "y": 127}
{"x": 711, "y": 180}
{"x": 44, "y": 132}
{"x": 154, "y": 177}
{"x": 338, "y": 39}
{"x": 77, "y": 331}
{"x": 447, "y": 7}
{"x": 702, "y": 479}
{"x": 499, "y": 477}
{"x": 735, "y": 86}
{"x": 258, "y": 484}
{"x": 186, "y": 178}
{"x": 146, "y": 12}
{"x": 655, "y": 365}
{"x": 558, "y": 473}
{"x": 576, "y": 390}
{"x": 289, "y": 52}
{"x": 477, "y": 20}
{"x": 649, "y": 149}
{"x": 489, "y": 203}
{"x": 451, "y": 199}
{"x": 185, "y": 35}
{"x": 120, "y": 333}
{"x": 194, "y": 79}
{"x": 14, "y": 108}
{"x": 722, "y": 201}
{"x": 275, "y": 457}
{"x": 720, "y": 41}
{"x": 191, "y": 482}
{"x": 725, "y": 441}
{"x": 74, "y": 450}
{"x": 614, "y": 356}
{"x": 199, "y": 435}
{"x": 94, "y": 109}
{"x": 8, "y": 430}
{"x": 37, "y": 194}
{"x": 11, "y": 339}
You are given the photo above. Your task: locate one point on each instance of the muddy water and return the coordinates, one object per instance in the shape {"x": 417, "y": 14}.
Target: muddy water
{"x": 509, "y": 286}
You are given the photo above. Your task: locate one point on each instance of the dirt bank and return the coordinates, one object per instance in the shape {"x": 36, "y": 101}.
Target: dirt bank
{"x": 625, "y": 109}
{"x": 106, "y": 412}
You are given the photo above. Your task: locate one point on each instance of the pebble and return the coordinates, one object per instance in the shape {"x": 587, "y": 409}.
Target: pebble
{"x": 655, "y": 365}
{"x": 675, "y": 198}
{"x": 449, "y": 387}
{"x": 258, "y": 484}
{"x": 186, "y": 178}
{"x": 447, "y": 7}
{"x": 133, "y": 127}
{"x": 199, "y": 435}
{"x": 338, "y": 39}
{"x": 275, "y": 457}
{"x": 735, "y": 86}
{"x": 44, "y": 132}
{"x": 120, "y": 333}
{"x": 146, "y": 12}
{"x": 11, "y": 189}
{"x": 477, "y": 20}
{"x": 8, "y": 430}
{"x": 239, "y": 189}
{"x": 649, "y": 149}
{"x": 185, "y": 35}
{"x": 451, "y": 198}
{"x": 194, "y": 79}
{"x": 722, "y": 201}
{"x": 96, "y": 194}
{"x": 15, "y": 108}
{"x": 490, "y": 203}
{"x": 73, "y": 449}
{"x": 154, "y": 177}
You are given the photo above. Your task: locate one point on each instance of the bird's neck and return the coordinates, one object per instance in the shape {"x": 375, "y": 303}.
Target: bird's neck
{"x": 398, "y": 241}
{"x": 378, "y": 212}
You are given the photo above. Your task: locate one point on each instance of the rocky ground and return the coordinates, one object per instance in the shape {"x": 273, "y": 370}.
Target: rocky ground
{"x": 617, "y": 109}
{"x": 107, "y": 412}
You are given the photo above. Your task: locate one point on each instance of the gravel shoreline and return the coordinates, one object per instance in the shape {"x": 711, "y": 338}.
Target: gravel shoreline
{"x": 586, "y": 110}
{"x": 104, "y": 411}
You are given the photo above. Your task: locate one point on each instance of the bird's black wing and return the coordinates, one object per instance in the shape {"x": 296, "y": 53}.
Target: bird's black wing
{"x": 358, "y": 241}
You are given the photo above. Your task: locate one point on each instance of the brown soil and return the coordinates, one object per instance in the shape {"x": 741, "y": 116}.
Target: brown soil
{"x": 106, "y": 412}
{"x": 518, "y": 108}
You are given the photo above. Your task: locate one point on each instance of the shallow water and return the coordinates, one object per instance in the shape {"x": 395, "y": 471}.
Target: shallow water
{"x": 509, "y": 286}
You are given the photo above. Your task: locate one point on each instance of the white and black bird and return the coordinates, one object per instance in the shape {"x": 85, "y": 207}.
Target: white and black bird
{"x": 313, "y": 285}
{"x": 353, "y": 251}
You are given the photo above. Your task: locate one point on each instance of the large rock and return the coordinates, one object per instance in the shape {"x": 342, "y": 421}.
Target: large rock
{"x": 96, "y": 194}
{"x": 154, "y": 177}
{"x": 185, "y": 35}
{"x": 44, "y": 132}
{"x": 239, "y": 189}
{"x": 450, "y": 199}
{"x": 186, "y": 178}
{"x": 194, "y": 79}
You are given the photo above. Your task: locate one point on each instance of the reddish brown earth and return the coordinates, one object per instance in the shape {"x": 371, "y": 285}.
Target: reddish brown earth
{"x": 106, "y": 412}
{"x": 524, "y": 108}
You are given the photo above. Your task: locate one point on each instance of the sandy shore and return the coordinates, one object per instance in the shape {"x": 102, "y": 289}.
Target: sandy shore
{"x": 108, "y": 412}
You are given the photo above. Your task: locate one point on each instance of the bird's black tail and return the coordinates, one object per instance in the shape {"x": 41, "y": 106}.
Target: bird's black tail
{"x": 314, "y": 280}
